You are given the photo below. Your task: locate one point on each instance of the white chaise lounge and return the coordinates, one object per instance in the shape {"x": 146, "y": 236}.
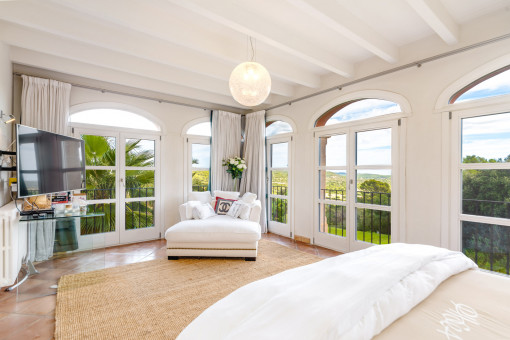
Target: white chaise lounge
{"x": 216, "y": 236}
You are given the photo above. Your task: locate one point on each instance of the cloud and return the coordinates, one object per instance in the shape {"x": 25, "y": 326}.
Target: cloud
{"x": 362, "y": 109}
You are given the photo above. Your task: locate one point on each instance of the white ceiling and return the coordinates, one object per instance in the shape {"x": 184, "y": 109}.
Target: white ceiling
{"x": 187, "y": 48}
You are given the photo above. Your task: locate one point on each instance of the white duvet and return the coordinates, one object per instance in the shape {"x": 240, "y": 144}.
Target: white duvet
{"x": 352, "y": 296}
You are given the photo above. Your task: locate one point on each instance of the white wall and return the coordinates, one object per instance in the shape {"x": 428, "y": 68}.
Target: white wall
{"x": 173, "y": 119}
{"x": 421, "y": 87}
{"x": 5, "y": 105}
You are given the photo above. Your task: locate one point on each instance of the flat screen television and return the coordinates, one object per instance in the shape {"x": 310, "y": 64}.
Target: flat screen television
{"x": 48, "y": 162}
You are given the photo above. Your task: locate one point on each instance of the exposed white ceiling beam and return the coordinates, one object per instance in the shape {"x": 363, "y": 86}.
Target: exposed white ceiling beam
{"x": 197, "y": 37}
{"x": 438, "y": 18}
{"x": 44, "y": 43}
{"x": 230, "y": 14}
{"x": 336, "y": 17}
{"x": 204, "y": 72}
{"x": 71, "y": 67}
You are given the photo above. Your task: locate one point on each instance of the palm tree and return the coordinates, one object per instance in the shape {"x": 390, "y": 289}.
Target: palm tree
{"x": 101, "y": 151}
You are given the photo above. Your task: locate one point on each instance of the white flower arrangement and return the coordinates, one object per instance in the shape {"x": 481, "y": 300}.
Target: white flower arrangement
{"x": 235, "y": 166}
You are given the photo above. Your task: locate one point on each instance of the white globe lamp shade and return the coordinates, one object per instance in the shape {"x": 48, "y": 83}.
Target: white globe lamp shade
{"x": 250, "y": 84}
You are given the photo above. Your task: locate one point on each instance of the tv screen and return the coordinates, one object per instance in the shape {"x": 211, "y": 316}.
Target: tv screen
{"x": 48, "y": 162}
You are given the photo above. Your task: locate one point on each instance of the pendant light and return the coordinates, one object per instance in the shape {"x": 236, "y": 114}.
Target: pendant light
{"x": 249, "y": 82}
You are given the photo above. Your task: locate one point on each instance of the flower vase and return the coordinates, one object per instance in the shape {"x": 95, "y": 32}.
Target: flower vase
{"x": 236, "y": 184}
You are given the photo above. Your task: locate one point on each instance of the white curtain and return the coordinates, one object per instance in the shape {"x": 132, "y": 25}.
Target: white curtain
{"x": 225, "y": 143}
{"x": 254, "y": 178}
{"x": 44, "y": 106}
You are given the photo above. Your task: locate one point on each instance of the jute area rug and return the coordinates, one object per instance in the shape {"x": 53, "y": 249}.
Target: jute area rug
{"x": 157, "y": 299}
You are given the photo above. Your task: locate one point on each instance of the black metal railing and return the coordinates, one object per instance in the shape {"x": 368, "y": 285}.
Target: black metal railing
{"x": 371, "y": 197}
{"x": 487, "y": 245}
{"x": 372, "y": 225}
{"x": 333, "y": 194}
{"x": 200, "y": 188}
{"x": 138, "y": 214}
{"x": 279, "y": 206}
{"x": 279, "y": 210}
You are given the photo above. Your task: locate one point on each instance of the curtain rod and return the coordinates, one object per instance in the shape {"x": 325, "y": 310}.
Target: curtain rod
{"x": 129, "y": 94}
{"x": 417, "y": 63}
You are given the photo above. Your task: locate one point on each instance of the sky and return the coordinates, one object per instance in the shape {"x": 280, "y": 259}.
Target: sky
{"x": 486, "y": 136}
{"x": 201, "y": 129}
{"x": 373, "y": 148}
{"x": 362, "y": 109}
{"x": 495, "y": 86}
{"x": 202, "y": 153}
{"x": 113, "y": 117}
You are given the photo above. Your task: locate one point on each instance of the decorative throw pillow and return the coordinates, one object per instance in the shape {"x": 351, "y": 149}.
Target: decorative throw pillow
{"x": 249, "y": 197}
{"x": 245, "y": 212}
{"x": 203, "y": 211}
{"x": 223, "y": 205}
{"x": 189, "y": 208}
{"x": 203, "y": 196}
{"x": 230, "y": 195}
{"x": 239, "y": 209}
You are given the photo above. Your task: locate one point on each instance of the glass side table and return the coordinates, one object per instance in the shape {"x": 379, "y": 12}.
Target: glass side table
{"x": 54, "y": 247}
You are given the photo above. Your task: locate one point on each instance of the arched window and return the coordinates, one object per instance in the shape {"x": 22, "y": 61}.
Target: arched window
{"x": 493, "y": 84}
{"x": 200, "y": 129}
{"x": 114, "y": 118}
{"x": 198, "y": 144}
{"x": 357, "y": 109}
{"x": 479, "y": 187}
{"x": 277, "y": 127}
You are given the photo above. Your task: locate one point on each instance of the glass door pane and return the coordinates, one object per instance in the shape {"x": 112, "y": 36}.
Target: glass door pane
{"x": 101, "y": 176}
{"x": 139, "y": 177}
{"x": 278, "y": 203}
{"x": 332, "y": 180}
{"x": 200, "y": 165}
{"x": 373, "y": 186}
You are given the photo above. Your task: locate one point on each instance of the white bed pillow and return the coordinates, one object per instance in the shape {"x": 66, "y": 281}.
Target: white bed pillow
{"x": 230, "y": 195}
{"x": 249, "y": 197}
{"x": 202, "y": 196}
{"x": 189, "y": 208}
{"x": 203, "y": 211}
{"x": 239, "y": 209}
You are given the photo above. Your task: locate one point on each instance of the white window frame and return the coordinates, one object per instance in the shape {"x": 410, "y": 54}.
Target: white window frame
{"x": 450, "y": 233}
{"x": 283, "y": 137}
{"x": 189, "y": 140}
{"x": 398, "y": 230}
{"x": 397, "y": 208}
{"x": 453, "y": 232}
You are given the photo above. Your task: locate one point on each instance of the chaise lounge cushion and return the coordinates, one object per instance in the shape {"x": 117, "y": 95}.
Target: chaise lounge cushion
{"x": 215, "y": 229}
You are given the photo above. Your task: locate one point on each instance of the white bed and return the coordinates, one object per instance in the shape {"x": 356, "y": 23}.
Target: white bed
{"x": 357, "y": 296}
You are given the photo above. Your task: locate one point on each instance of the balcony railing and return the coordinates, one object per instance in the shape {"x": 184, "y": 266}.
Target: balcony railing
{"x": 372, "y": 225}
{"x": 488, "y": 245}
{"x": 200, "y": 188}
{"x": 279, "y": 206}
{"x": 138, "y": 214}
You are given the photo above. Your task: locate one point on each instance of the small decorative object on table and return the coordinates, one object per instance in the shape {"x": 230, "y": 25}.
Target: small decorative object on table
{"x": 235, "y": 167}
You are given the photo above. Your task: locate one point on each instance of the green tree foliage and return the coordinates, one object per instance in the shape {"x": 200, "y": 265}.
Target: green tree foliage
{"x": 486, "y": 193}
{"x": 100, "y": 151}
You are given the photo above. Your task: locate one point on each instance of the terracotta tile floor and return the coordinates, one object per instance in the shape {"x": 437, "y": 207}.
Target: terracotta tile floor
{"x": 32, "y": 314}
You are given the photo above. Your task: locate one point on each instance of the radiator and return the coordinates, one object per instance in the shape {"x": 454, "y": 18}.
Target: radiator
{"x": 12, "y": 243}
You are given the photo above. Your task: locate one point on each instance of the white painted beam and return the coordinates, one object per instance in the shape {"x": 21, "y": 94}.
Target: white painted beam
{"x": 71, "y": 67}
{"x": 438, "y": 18}
{"x": 162, "y": 23}
{"x": 230, "y": 14}
{"x": 42, "y": 42}
{"x": 151, "y": 60}
{"x": 336, "y": 17}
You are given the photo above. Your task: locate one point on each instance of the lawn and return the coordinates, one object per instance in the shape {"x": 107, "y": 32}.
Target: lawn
{"x": 385, "y": 239}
